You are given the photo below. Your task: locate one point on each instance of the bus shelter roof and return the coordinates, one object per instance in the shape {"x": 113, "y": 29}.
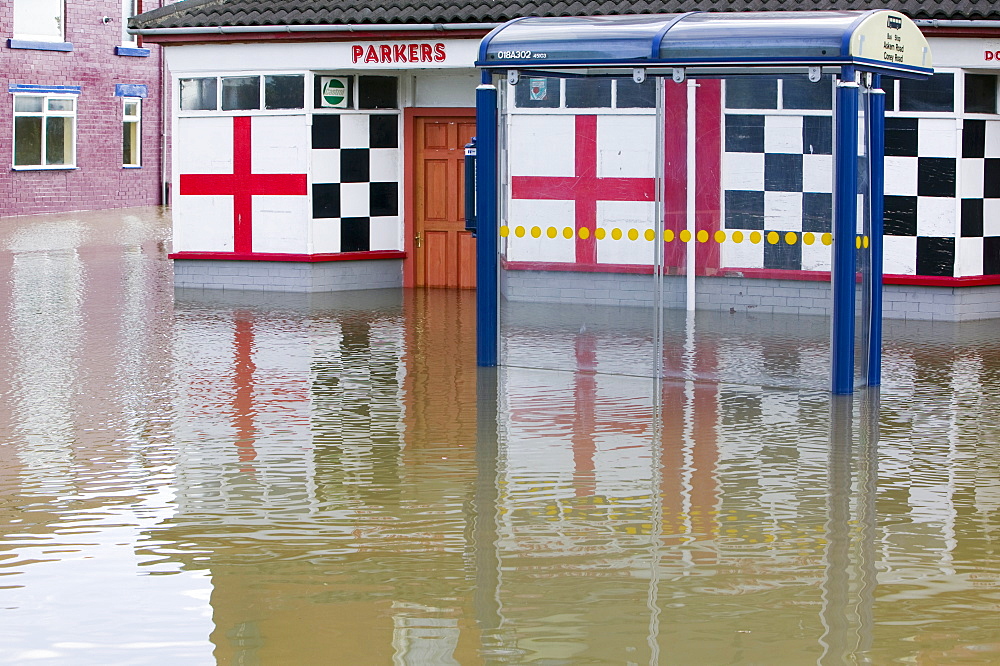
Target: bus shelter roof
{"x": 710, "y": 43}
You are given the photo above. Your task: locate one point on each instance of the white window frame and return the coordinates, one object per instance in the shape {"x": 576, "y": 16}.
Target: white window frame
{"x": 130, "y": 8}
{"x": 44, "y": 114}
{"x": 132, "y": 119}
{"x": 20, "y": 7}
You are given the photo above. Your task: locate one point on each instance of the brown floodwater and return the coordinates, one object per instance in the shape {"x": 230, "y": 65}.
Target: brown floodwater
{"x": 217, "y": 477}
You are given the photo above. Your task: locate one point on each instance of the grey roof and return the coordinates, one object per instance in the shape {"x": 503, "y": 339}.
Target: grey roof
{"x": 212, "y": 13}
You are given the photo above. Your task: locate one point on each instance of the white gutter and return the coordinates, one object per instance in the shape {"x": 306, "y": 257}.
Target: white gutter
{"x": 955, "y": 23}
{"x": 356, "y": 27}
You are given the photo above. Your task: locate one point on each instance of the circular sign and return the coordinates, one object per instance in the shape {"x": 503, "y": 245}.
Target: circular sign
{"x": 335, "y": 92}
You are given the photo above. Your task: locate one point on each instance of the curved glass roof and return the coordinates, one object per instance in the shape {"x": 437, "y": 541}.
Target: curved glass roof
{"x": 879, "y": 40}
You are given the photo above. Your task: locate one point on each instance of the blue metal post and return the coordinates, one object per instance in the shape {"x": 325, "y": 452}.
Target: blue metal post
{"x": 845, "y": 224}
{"x": 488, "y": 230}
{"x": 876, "y": 170}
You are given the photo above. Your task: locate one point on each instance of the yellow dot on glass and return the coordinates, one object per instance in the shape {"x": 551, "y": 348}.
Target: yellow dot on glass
{"x": 568, "y": 232}
{"x": 504, "y": 231}
{"x": 755, "y": 237}
{"x": 791, "y": 238}
{"x": 737, "y": 236}
{"x": 857, "y": 242}
{"x": 552, "y": 232}
{"x": 702, "y": 236}
{"x": 584, "y": 233}
{"x": 600, "y": 234}
{"x": 649, "y": 235}
{"x": 519, "y": 231}
{"x": 827, "y": 238}
{"x": 633, "y": 234}
{"x": 720, "y": 236}
{"x": 668, "y": 235}
{"x": 808, "y": 238}
{"x": 536, "y": 232}
{"x": 772, "y": 237}
{"x": 864, "y": 242}
{"x": 616, "y": 233}
{"x": 685, "y": 236}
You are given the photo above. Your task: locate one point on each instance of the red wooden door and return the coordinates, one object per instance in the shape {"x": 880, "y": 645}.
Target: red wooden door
{"x": 445, "y": 252}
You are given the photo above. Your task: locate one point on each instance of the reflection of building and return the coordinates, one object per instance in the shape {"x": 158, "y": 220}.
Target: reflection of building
{"x": 348, "y": 124}
{"x": 81, "y": 127}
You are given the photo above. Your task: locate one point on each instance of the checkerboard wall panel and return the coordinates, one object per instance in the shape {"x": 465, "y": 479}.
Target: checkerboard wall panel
{"x": 942, "y": 190}
{"x": 355, "y": 182}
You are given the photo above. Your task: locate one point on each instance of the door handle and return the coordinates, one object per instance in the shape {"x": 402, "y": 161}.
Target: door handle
{"x": 419, "y": 240}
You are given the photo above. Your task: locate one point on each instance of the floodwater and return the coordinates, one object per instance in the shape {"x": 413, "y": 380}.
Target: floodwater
{"x": 199, "y": 477}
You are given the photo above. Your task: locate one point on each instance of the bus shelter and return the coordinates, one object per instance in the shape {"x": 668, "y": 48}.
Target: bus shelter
{"x": 629, "y": 201}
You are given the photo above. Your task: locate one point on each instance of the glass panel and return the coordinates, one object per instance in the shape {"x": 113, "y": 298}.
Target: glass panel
{"x": 130, "y": 144}
{"x": 580, "y": 279}
{"x": 588, "y": 93}
{"x": 377, "y": 92}
{"x": 798, "y": 92}
{"x": 935, "y": 94}
{"x": 980, "y": 93}
{"x": 199, "y": 94}
{"x": 60, "y": 105}
{"x": 752, "y": 93}
{"x": 863, "y": 291}
{"x": 27, "y": 141}
{"x": 284, "y": 92}
{"x": 632, "y": 95}
{"x": 129, "y": 9}
{"x": 59, "y": 141}
{"x": 240, "y": 93}
{"x": 39, "y": 19}
{"x": 131, "y": 108}
{"x": 537, "y": 92}
{"x": 28, "y": 103}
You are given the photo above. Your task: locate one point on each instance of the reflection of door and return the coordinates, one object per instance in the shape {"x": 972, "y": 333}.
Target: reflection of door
{"x": 445, "y": 252}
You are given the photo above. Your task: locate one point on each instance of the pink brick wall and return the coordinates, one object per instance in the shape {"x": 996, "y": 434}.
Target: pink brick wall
{"x": 99, "y": 181}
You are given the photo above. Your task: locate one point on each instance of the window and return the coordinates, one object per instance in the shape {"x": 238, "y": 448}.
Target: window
{"x": 243, "y": 93}
{"x": 360, "y": 92}
{"x": 129, "y": 9}
{"x": 44, "y": 131}
{"x": 39, "y": 20}
{"x": 538, "y": 92}
{"x": 131, "y": 131}
{"x": 790, "y": 92}
{"x": 980, "y": 93}
{"x": 934, "y": 94}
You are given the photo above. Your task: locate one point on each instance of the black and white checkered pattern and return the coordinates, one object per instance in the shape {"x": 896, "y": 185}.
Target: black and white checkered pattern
{"x": 355, "y": 175}
{"x": 777, "y": 175}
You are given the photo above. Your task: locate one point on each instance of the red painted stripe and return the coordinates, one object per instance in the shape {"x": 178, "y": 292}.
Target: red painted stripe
{"x": 674, "y": 170}
{"x": 708, "y": 170}
{"x": 274, "y": 256}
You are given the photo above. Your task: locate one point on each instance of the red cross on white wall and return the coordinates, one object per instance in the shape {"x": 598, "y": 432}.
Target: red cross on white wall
{"x": 243, "y": 185}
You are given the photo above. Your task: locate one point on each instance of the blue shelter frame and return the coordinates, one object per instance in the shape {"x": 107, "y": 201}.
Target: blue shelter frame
{"x": 858, "y": 47}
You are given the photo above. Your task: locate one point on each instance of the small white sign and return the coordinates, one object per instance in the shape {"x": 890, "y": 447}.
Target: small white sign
{"x": 333, "y": 93}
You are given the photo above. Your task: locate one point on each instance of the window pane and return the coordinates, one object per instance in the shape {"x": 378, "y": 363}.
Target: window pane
{"x": 39, "y": 18}
{"x": 58, "y": 140}
{"x": 240, "y": 93}
{"x": 198, "y": 94}
{"x": 27, "y": 141}
{"x": 588, "y": 93}
{"x": 377, "y": 92}
{"x": 537, "y": 93}
{"x": 131, "y": 108}
{"x": 30, "y": 104}
{"x": 60, "y": 105}
{"x": 935, "y": 94}
{"x": 129, "y": 9}
{"x": 889, "y": 87}
{"x": 798, "y": 92}
{"x": 632, "y": 95}
{"x": 980, "y": 93}
{"x": 754, "y": 92}
{"x": 284, "y": 92}
{"x": 130, "y": 144}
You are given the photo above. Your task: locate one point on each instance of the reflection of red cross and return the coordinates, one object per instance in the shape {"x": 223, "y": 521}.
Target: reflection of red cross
{"x": 243, "y": 185}
{"x": 586, "y": 188}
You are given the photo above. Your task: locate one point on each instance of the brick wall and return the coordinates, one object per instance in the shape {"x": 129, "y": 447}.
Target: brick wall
{"x": 99, "y": 181}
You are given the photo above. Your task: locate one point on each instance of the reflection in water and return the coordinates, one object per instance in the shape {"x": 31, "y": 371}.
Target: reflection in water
{"x": 204, "y": 476}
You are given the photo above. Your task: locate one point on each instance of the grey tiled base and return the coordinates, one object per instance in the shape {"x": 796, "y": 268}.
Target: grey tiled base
{"x": 287, "y": 275}
{"x": 741, "y": 294}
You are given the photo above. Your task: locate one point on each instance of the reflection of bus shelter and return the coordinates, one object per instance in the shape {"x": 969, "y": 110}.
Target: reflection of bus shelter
{"x": 857, "y": 47}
